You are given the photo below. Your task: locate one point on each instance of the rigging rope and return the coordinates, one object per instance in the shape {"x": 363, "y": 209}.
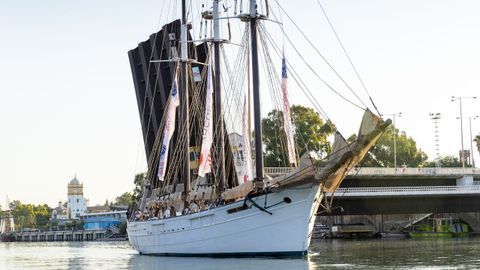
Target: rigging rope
{"x": 297, "y": 78}
{"x": 347, "y": 55}
{"x": 325, "y": 60}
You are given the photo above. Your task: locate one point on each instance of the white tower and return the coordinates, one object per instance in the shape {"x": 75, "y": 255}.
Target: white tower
{"x": 77, "y": 204}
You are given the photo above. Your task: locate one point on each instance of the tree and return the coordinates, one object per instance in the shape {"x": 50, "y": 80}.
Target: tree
{"x": 23, "y": 215}
{"x": 31, "y": 216}
{"x": 138, "y": 181}
{"x": 43, "y": 214}
{"x": 310, "y": 134}
{"x": 382, "y": 154}
{"x": 124, "y": 199}
{"x": 446, "y": 162}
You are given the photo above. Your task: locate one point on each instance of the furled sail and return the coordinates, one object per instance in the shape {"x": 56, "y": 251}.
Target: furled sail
{"x": 344, "y": 156}
{"x": 247, "y": 153}
{"x": 207, "y": 138}
{"x": 287, "y": 117}
{"x": 169, "y": 129}
{"x": 331, "y": 173}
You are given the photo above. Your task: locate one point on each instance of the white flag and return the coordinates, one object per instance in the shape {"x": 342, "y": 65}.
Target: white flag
{"x": 169, "y": 129}
{"x": 207, "y": 138}
{"x": 287, "y": 119}
{"x": 247, "y": 150}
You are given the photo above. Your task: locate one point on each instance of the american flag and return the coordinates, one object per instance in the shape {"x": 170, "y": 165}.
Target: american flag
{"x": 287, "y": 119}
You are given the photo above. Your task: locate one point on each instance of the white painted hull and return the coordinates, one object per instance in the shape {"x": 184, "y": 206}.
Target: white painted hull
{"x": 250, "y": 232}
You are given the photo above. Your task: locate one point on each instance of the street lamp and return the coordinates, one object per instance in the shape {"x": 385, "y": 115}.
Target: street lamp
{"x": 471, "y": 137}
{"x": 393, "y": 115}
{"x": 461, "y": 125}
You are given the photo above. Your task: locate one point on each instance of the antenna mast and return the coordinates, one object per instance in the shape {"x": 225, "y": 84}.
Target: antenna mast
{"x": 218, "y": 99}
{"x": 253, "y": 18}
{"x": 184, "y": 124}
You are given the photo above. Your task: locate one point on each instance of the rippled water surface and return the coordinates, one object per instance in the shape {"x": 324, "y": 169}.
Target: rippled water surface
{"x": 340, "y": 254}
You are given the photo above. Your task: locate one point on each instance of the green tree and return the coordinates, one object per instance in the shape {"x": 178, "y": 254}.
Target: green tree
{"x": 446, "y": 162}
{"x": 31, "y": 216}
{"x": 382, "y": 153}
{"x": 124, "y": 199}
{"x": 24, "y": 215}
{"x": 74, "y": 225}
{"x": 138, "y": 181}
{"x": 310, "y": 134}
{"x": 43, "y": 213}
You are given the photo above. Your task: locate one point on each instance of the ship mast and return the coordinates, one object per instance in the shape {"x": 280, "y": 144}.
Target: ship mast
{"x": 256, "y": 92}
{"x": 220, "y": 143}
{"x": 184, "y": 123}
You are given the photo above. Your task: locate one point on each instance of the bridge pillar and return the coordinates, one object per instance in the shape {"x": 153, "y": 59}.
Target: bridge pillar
{"x": 466, "y": 180}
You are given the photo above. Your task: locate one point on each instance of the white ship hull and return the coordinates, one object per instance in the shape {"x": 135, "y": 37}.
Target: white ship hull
{"x": 215, "y": 232}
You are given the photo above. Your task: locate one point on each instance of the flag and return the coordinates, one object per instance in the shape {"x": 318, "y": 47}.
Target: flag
{"x": 207, "y": 137}
{"x": 287, "y": 119}
{"x": 247, "y": 150}
{"x": 168, "y": 131}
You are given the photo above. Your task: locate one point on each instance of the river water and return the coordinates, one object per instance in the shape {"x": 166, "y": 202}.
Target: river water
{"x": 324, "y": 254}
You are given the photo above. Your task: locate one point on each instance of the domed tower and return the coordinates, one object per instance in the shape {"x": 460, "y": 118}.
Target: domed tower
{"x": 77, "y": 204}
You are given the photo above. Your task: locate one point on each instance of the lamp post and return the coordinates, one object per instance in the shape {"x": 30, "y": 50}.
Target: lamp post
{"x": 394, "y": 115}
{"x": 470, "y": 118}
{"x": 471, "y": 138}
{"x": 462, "y": 156}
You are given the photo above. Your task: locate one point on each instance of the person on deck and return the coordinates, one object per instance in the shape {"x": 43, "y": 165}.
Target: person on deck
{"x": 160, "y": 213}
{"x": 167, "y": 212}
{"x": 194, "y": 207}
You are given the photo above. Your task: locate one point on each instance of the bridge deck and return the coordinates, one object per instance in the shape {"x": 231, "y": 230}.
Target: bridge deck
{"x": 381, "y": 172}
{"x": 406, "y": 191}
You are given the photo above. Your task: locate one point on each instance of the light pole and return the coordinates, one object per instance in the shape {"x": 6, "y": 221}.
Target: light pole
{"x": 471, "y": 137}
{"x": 435, "y": 117}
{"x": 393, "y": 115}
{"x": 462, "y": 156}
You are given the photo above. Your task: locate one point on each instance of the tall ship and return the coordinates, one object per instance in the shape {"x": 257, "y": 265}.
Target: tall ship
{"x": 201, "y": 194}
{"x": 7, "y": 225}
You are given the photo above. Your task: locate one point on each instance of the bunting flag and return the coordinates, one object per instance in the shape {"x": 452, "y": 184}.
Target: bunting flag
{"x": 287, "y": 119}
{"x": 169, "y": 129}
{"x": 207, "y": 137}
{"x": 247, "y": 150}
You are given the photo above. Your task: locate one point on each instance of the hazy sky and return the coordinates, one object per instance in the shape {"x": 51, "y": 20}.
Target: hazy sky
{"x": 67, "y": 102}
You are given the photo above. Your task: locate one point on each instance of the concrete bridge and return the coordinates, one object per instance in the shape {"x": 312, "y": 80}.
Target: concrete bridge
{"x": 370, "y": 191}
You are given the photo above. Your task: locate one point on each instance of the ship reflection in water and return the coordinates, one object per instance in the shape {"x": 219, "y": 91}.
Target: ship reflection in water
{"x": 324, "y": 254}
{"x": 192, "y": 263}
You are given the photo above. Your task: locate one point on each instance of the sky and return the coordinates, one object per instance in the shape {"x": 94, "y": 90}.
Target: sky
{"x": 67, "y": 100}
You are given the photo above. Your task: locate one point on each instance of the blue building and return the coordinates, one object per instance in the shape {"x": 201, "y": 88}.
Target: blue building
{"x": 103, "y": 220}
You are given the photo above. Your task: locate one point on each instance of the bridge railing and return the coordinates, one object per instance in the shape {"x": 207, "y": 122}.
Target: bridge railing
{"x": 414, "y": 171}
{"x": 275, "y": 171}
{"x": 413, "y": 190}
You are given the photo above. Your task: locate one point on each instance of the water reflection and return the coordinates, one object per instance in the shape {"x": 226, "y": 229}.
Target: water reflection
{"x": 396, "y": 254}
{"x": 326, "y": 254}
{"x": 200, "y": 263}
